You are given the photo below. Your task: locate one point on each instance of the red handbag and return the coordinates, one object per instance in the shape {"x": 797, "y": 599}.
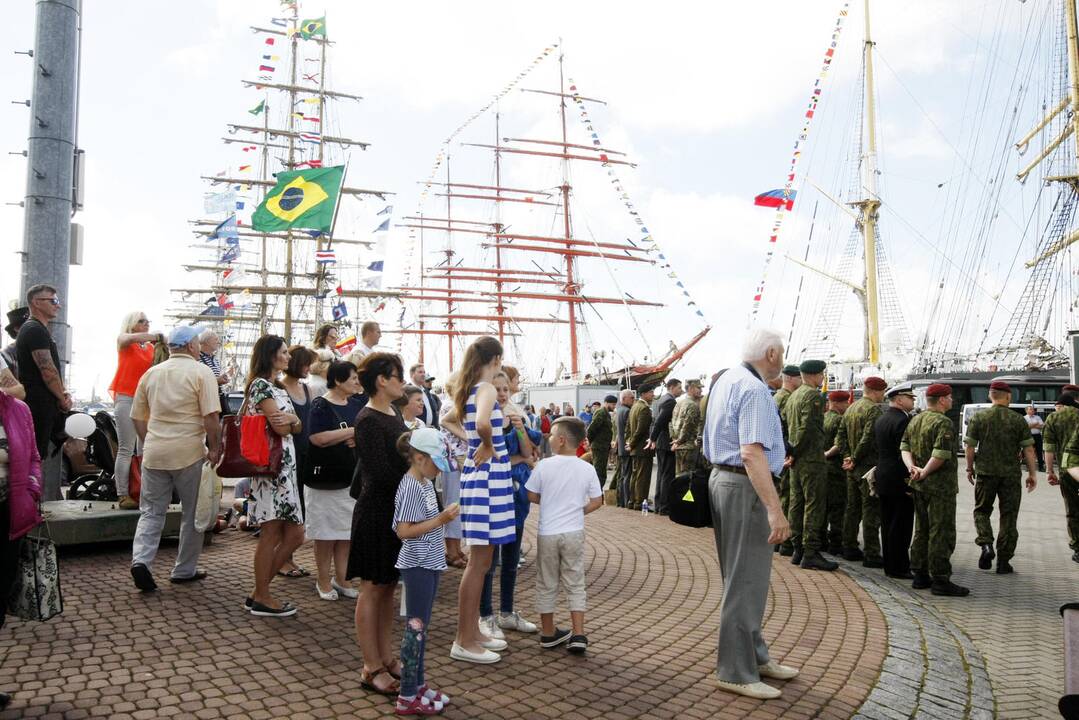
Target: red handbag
{"x": 233, "y": 462}
{"x": 134, "y": 478}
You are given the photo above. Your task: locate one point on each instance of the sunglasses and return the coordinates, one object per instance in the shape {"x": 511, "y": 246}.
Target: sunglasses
{"x": 51, "y": 301}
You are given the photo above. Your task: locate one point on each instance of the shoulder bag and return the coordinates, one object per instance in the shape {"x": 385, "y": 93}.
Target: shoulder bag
{"x": 35, "y": 593}
{"x": 330, "y": 467}
{"x": 233, "y": 463}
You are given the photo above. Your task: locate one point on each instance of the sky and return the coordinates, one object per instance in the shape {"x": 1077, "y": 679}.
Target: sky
{"x": 707, "y": 100}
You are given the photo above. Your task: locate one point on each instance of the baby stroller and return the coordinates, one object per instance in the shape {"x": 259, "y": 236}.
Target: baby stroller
{"x": 93, "y": 461}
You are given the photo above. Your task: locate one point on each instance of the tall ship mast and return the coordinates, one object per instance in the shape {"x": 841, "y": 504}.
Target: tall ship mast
{"x": 974, "y": 317}
{"x": 516, "y": 258}
{"x": 288, "y": 276}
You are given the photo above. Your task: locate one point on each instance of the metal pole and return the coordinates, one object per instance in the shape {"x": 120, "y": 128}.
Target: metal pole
{"x": 50, "y": 172}
{"x": 871, "y": 204}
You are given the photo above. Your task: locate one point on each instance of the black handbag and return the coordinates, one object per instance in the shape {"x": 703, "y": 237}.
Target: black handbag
{"x": 690, "y": 501}
{"x": 331, "y": 467}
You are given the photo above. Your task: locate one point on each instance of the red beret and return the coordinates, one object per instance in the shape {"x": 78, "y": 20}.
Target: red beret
{"x": 938, "y": 390}
{"x": 1070, "y": 388}
{"x": 875, "y": 383}
{"x": 1000, "y": 385}
{"x": 839, "y": 396}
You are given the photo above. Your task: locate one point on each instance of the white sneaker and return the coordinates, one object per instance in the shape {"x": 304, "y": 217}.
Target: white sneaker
{"x": 331, "y": 595}
{"x": 494, "y": 644}
{"x": 344, "y": 591}
{"x": 484, "y": 658}
{"x": 758, "y": 690}
{"x": 776, "y": 671}
{"x": 490, "y": 628}
{"x": 514, "y": 621}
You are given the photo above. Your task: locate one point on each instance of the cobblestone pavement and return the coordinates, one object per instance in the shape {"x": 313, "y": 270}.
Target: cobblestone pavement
{"x": 654, "y": 590}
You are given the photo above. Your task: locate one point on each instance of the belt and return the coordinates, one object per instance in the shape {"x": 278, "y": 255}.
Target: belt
{"x": 731, "y": 468}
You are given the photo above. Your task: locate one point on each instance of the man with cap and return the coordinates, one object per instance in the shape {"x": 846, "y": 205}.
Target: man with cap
{"x": 890, "y": 478}
{"x": 804, "y": 415}
{"x": 176, "y": 414}
{"x": 838, "y": 402}
{"x": 623, "y": 476}
{"x": 928, "y": 450}
{"x": 640, "y": 420}
{"x": 686, "y": 428}
{"x": 995, "y": 437}
{"x": 600, "y": 433}
{"x": 856, "y": 443}
{"x": 791, "y": 379}
{"x": 659, "y": 440}
{"x": 1061, "y": 435}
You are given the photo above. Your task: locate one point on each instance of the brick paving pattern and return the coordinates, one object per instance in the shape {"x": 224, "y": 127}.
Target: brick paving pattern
{"x": 654, "y": 590}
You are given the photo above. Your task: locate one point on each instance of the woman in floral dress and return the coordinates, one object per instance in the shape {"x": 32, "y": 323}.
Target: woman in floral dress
{"x": 274, "y": 502}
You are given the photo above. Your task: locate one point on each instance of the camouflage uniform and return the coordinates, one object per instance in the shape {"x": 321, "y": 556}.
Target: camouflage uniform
{"x": 1060, "y": 436}
{"x": 600, "y": 433}
{"x": 837, "y": 481}
{"x": 856, "y": 441}
{"x": 640, "y": 420}
{"x": 685, "y": 430}
{"x": 783, "y": 483}
{"x": 930, "y": 434}
{"x": 804, "y": 415}
{"x": 1000, "y": 435}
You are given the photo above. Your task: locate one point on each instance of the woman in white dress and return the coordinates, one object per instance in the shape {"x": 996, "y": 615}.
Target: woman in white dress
{"x": 325, "y": 348}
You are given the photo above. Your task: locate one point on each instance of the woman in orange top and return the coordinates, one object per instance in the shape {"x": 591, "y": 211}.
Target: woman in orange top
{"x": 136, "y": 353}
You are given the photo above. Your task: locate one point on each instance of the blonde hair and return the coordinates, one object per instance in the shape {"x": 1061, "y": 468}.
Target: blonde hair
{"x": 127, "y": 326}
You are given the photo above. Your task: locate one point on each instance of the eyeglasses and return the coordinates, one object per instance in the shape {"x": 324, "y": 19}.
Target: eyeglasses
{"x": 50, "y": 300}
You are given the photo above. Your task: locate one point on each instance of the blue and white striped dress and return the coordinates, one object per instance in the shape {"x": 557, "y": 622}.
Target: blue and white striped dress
{"x": 487, "y": 515}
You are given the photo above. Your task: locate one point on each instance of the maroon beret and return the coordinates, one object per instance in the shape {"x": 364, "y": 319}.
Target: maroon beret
{"x": 938, "y": 390}
{"x": 875, "y": 383}
{"x": 1000, "y": 385}
{"x": 839, "y": 396}
{"x": 1070, "y": 388}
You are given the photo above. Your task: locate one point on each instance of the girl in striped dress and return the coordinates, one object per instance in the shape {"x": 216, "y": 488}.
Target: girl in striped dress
{"x": 486, "y": 493}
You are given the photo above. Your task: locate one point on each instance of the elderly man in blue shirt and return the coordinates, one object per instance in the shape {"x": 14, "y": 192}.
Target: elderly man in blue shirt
{"x": 743, "y": 439}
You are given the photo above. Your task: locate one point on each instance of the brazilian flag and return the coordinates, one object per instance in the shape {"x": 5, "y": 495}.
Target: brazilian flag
{"x": 313, "y": 27}
{"x": 301, "y": 199}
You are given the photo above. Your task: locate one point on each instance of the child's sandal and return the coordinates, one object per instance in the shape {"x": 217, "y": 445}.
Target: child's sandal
{"x": 433, "y": 695}
{"x": 418, "y": 705}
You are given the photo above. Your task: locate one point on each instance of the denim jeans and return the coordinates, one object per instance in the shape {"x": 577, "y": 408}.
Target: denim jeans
{"x": 508, "y": 555}
{"x": 421, "y": 586}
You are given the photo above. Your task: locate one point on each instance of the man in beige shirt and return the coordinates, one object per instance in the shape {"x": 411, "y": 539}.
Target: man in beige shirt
{"x": 176, "y": 412}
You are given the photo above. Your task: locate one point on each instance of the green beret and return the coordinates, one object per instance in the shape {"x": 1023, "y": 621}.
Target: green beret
{"x": 813, "y": 367}
{"x": 792, "y": 371}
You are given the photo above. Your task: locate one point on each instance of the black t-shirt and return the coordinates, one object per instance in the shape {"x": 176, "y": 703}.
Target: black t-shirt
{"x": 34, "y": 336}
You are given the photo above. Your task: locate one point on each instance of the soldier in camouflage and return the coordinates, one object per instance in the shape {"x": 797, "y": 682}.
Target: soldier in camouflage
{"x": 685, "y": 428}
{"x": 792, "y": 380}
{"x": 600, "y": 433}
{"x": 1060, "y": 439}
{"x": 838, "y": 402}
{"x": 995, "y": 438}
{"x": 804, "y": 417}
{"x": 858, "y": 447}
{"x": 928, "y": 450}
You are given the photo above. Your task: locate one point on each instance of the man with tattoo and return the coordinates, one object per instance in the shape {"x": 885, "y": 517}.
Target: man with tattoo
{"x": 39, "y": 365}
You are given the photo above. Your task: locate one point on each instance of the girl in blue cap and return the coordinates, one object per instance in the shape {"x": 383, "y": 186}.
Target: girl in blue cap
{"x": 419, "y": 524}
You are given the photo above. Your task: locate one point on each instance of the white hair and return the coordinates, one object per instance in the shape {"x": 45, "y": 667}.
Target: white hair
{"x": 758, "y": 342}
{"x": 628, "y": 392}
{"x": 207, "y": 335}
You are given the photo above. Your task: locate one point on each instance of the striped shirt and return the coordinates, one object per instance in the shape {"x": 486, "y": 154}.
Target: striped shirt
{"x": 210, "y": 361}
{"x": 741, "y": 412}
{"x": 415, "y": 503}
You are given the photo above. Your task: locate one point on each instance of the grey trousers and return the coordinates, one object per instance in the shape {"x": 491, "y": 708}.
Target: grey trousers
{"x": 154, "y": 499}
{"x": 625, "y": 480}
{"x": 745, "y": 561}
{"x": 128, "y": 442}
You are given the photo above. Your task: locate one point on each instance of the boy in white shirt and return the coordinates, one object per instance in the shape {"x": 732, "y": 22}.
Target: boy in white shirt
{"x": 566, "y": 489}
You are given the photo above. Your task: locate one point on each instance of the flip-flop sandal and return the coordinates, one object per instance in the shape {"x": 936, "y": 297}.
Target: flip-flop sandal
{"x": 457, "y": 562}
{"x": 367, "y": 682}
{"x": 293, "y": 573}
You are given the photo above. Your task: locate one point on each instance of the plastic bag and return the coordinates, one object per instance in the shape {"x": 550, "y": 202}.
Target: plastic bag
{"x": 209, "y": 499}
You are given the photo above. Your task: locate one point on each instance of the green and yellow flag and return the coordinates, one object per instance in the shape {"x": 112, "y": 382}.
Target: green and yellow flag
{"x": 301, "y": 199}
{"x": 313, "y": 27}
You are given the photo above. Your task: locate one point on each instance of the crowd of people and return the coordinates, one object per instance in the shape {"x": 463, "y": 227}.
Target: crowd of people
{"x": 394, "y": 481}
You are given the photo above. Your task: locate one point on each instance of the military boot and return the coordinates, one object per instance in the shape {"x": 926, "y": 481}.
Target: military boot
{"x": 815, "y": 561}
{"x": 835, "y": 549}
{"x": 944, "y": 586}
{"x": 786, "y": 550}
{"x": 873, "y": 563}
{"x": 796, "y": 558}
{"x": 853, "y": 554}
{"x": 1004, "y": 567}
{"x": 986, "y": 560}
{"x": 921, "y": 581}
{"x": 1075, "y": 556}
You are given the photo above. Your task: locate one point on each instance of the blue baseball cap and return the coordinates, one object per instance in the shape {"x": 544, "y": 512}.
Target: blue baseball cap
{"x": 428, "y": 440}
{"x": 183, "y": 334}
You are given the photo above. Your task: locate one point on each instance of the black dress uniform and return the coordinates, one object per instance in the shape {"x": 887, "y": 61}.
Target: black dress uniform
{"x": 896, "y": 500}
